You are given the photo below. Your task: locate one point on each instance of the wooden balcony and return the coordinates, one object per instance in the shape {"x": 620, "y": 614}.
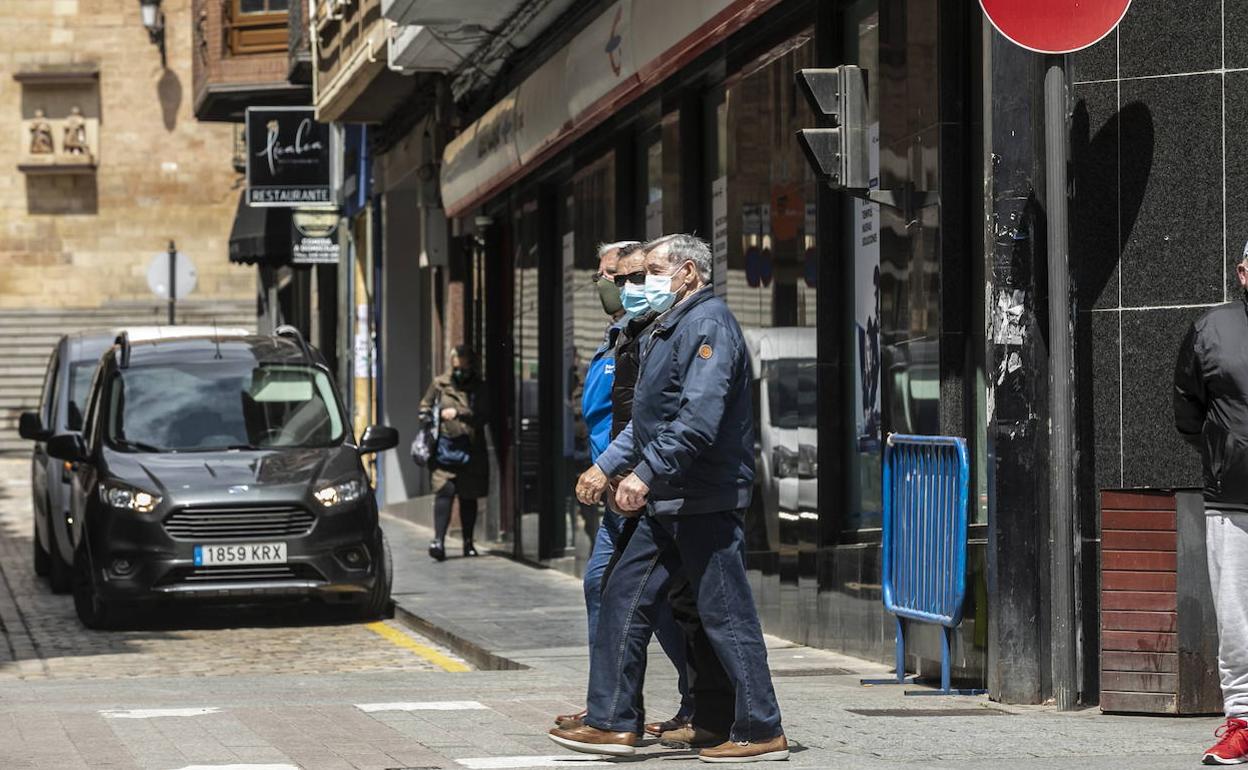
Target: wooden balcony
{"x": 242, "y": 57}
{"x": 353, "y": 83}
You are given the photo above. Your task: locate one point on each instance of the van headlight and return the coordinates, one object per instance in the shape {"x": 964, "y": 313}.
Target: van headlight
{"x": 341, "y": 493}
{"x": 128, "y": 498}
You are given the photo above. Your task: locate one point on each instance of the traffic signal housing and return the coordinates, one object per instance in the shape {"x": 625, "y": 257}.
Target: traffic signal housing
{"x": 838, "y": 153}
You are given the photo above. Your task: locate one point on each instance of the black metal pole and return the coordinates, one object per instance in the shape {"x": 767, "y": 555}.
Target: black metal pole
{"x": 173, "y": 282}
{"x": 1061, "y": 406}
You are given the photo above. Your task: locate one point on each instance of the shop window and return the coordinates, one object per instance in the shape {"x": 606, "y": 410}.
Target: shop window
{"x": 525, "y": 329}
{"x": 587, "y": 220}
{"x": 257, "y": 26}
{"x": 767, "y": 268}
{"x": 660, "y": 177}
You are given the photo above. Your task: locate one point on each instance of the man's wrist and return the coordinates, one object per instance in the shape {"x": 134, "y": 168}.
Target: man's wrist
{"x": 644, "y": 472}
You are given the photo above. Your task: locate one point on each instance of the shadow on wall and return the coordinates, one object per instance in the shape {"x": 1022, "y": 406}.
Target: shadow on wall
{"x": 61, "y": 194}
{"x": 1110, "y": 171}
{"x": 169, "y": 91}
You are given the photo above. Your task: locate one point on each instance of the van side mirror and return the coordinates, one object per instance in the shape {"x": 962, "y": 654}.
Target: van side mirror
{"x": 378, "y": 438}
{"x": 68, "y": 446}
{"x": 30, "y": 427}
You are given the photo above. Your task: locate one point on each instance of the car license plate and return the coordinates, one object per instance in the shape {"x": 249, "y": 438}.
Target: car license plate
{"x": 240, "y": 553}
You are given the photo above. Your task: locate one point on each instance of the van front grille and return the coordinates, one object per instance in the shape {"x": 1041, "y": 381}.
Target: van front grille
{"x": 203, "y": 524}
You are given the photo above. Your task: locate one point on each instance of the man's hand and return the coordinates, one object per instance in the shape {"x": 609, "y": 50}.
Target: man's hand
{"x": 449, "y": 413}
{"x": 590, "y": 485}
{"x": 630, "y": 497}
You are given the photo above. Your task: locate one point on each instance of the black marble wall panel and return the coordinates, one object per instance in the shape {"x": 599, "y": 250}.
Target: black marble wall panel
{"x": 1095, "y": 247}
{"x": 1153, "y": 455}
{"x": 1173, "y": 252}
{"x": 1235, "y": 20}
{"x": 1163, "y": 37}
{"x": 1236, "y": 171}
{"x": 1102, "y": 348}
{"x": 1098, "y": 62}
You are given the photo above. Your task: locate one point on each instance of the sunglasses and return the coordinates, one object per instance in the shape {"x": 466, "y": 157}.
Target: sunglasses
{"x": 637, "y": 279}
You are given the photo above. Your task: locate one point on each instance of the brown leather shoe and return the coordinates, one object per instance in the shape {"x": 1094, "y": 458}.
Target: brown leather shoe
{"x": 747, "y": 751}
{"x": 690, "y": 737}
{"x": 563, "y": 719}
{"x": 658, "y": 728}
{"x": 591, "y": 740}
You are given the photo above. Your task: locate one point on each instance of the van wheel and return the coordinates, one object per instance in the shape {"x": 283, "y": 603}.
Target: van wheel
{"x": 93, "y": 611}
{"x": 378, "y": 603}
{"x": 42, "y": 559}
{"x": 61, "y": 575}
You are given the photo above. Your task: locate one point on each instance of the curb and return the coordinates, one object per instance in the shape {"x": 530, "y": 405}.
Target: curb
{"x": 467, "y": 649}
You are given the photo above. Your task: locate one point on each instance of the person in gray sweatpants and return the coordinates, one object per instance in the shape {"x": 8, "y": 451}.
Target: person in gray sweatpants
{"x": 1211, "y": 412}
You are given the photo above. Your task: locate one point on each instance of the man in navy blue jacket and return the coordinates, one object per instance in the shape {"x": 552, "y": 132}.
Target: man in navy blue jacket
{"x": 690, "y": 445}
{"x": 596, "y": 411}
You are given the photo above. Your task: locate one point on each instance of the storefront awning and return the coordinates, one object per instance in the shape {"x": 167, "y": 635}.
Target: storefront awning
{"x": 260, "y": 236}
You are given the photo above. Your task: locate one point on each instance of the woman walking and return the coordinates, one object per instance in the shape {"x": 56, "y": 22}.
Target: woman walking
{"x": 457, "y": 404}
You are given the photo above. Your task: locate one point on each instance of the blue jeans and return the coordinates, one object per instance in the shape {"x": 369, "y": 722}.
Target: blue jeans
{"x": 671, "y": 637}
{"x": 710, "y": 548}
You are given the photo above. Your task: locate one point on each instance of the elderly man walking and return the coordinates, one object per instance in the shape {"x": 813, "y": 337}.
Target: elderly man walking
{"x": 690, "y": 445}
{"x": 1211, "y": 412}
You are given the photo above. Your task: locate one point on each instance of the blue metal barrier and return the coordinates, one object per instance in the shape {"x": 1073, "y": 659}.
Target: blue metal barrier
{"x": 926, "y": 491}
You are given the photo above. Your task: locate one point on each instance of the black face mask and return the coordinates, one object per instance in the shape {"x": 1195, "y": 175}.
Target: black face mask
{"x": 461, "y": 375}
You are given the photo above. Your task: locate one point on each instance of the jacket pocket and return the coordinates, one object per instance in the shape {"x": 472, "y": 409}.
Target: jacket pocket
{"x": 1226, "y": 464}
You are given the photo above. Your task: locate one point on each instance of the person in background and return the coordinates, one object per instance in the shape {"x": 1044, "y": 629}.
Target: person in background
{"x": 457, "y": 402}
{"x": 596, "y": 410}
{"x": 1211, "y": 413}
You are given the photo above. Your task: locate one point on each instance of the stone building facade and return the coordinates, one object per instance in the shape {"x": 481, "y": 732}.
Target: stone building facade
{"x": 83, "y": 236}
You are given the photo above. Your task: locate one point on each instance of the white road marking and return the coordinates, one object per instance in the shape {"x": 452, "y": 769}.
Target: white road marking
{"x": 437, "y": 705}
{"x": 240, "y": 767}
{"x": 154, "y": 713}
{"x": 518, "y": 763}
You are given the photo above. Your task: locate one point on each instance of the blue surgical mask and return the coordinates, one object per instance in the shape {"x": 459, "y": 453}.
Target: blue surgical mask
{"x": 633, "y": 297}
{"x": 659, "y": 294}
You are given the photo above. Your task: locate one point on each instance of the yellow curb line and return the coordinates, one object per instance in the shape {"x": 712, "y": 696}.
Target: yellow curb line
{"x": 428, "y": 653}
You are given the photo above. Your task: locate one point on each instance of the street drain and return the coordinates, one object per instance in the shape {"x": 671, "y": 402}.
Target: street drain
{"x": 929, "y": 712}
{"x": 810, "y": 672}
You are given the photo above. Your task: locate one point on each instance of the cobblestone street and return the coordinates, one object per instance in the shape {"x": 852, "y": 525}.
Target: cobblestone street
{"x": 42, "y": 637}
{"x": 294, "y": 689}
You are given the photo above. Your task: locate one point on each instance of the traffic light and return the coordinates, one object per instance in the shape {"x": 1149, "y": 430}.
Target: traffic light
{"x": 838, "y": 154}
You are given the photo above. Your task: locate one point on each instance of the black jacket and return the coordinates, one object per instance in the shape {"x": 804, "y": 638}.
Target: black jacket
{"x": 627, "y": 364}
{"x": 1211, "y": 400}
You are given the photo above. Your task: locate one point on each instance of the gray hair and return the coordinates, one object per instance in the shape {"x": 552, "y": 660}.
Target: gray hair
{"x": 682, "y": 247}
{"x": 624, "y": 247}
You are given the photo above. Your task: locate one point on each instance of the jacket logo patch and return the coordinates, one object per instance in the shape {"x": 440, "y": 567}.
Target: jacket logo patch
{"x": 705, "y": 352}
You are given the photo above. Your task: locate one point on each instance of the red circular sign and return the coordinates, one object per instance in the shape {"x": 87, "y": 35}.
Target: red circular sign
{"x": 1055, "y": 26}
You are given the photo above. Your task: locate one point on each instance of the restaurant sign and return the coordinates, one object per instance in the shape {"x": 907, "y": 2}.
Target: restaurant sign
{"x": 288, "y": 157}
{"x": 314, "y": 237}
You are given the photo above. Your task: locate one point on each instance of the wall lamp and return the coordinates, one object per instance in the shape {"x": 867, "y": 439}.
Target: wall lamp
{"x": 154, "y": 23}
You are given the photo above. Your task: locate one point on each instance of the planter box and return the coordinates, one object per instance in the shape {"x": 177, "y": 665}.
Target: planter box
{"x": 1159, "y": 639}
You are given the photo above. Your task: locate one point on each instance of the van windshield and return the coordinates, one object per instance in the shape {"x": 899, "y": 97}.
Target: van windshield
{"x": 218, "y": 405}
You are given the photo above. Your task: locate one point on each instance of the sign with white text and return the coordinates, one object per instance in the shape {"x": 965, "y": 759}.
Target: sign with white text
{"x": 288, "y": 157}
{"x": 314, "y": 237}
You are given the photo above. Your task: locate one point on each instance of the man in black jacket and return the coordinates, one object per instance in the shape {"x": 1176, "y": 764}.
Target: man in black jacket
{"x": 1211, "y": 412}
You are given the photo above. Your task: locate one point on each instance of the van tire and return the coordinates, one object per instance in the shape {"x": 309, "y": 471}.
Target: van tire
{"x": 61, "y": 575}
{"x": 377, "y": 605}
{"x": 42, "y": 559}
{"x": 94, "y": 612}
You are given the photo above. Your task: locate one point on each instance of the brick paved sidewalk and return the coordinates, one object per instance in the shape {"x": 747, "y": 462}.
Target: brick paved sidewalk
{"x": 493, "y": 608}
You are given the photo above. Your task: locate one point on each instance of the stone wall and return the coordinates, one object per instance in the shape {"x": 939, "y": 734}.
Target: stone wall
{"x": 83, "y": 240}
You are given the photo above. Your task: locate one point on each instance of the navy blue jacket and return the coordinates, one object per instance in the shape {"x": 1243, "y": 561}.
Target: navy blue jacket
{"x": 691, "y": 438}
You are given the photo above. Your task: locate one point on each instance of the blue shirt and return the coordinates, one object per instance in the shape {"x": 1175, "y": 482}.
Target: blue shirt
{"x": 596, "y": 395}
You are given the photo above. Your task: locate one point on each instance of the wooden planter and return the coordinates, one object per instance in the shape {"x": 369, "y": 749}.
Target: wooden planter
{"x": 1159, "y": 639}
